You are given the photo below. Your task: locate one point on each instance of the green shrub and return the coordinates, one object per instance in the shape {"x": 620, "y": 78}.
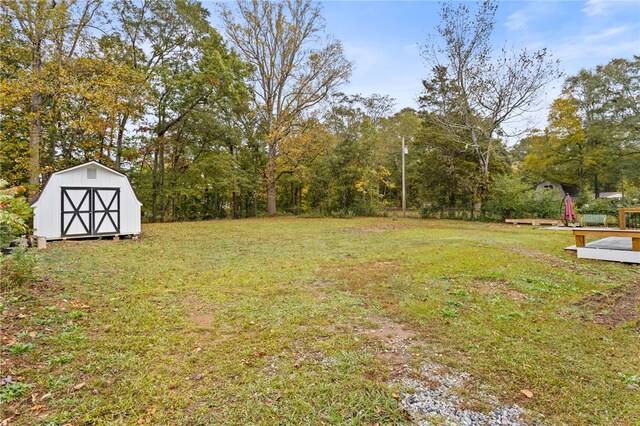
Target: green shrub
{"x": 511, "y": 197}
{"x": 15, "y": 214}
{"x": 17, "y": 269}
{"x": 601, "y": 206}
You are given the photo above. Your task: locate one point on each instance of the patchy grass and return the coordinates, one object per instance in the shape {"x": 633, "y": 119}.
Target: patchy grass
{"x": 270, "y": 322}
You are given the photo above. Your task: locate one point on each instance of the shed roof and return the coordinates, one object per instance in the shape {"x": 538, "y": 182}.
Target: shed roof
{"x": 68, "y": 169}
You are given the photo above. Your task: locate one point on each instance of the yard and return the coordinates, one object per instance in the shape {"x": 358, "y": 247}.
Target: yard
{"x": 320, "y": 321}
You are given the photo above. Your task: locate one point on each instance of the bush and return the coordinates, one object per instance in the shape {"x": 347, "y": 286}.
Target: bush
{"x": 510, "y": 197}
{"x": 17, "y": 269}
{"x": 602, "y": 206}
{"x": 15, "y": 214}
{"x": 435, "y": 212}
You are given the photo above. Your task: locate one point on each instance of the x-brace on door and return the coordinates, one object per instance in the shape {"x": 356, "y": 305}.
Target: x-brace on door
{"x": 90, "y": 211}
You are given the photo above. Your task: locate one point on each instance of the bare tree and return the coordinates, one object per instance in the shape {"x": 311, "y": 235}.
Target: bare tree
{"x": 295, "y": 68}
{"x": 473, "y": 90}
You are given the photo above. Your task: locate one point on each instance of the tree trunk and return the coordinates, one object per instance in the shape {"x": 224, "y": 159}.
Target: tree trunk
{"x": 35, "y": 137}
{"x": 235, "y": 204}
{"x": 255, "y": 205}
{"x": 121, "y": 127}
{"x": 35, "y": 132}
{"x": 154, "y": 185}
{"x": 271, "y": 181}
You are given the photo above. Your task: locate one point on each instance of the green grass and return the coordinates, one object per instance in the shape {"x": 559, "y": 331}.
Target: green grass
{"x": 261, "y": 322}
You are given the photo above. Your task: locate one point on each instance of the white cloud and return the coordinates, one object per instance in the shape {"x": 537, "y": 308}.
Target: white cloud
{"x": 594, "y": 8}
{"x": 530, "y": 13}
{"x": 608, "y": 33}
{"x": 517, "y": 20}
{"x": 365, "y": 58}
{"x": 600, "y": 46}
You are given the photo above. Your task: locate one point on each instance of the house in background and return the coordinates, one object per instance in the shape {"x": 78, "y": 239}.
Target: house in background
{"x": 610, "y": 195}
{"x": 89, "y": 200}
{"x": 572, "y": 190}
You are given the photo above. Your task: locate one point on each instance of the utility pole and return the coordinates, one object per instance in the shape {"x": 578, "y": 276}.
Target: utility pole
{"x": 404, "y": 197}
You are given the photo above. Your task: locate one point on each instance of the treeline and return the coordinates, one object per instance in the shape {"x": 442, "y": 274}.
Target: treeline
{"x": 252, "y": 122}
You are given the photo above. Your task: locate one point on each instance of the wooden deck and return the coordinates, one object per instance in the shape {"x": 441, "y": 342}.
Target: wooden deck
{"x": 622, "y": 215}
{"x": 611, "y": 249}
{"x": 582, "y": 233}
{"x": 534, "y": 222}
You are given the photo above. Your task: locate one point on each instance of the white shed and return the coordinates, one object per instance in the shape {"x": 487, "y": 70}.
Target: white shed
{"x": 84, "y": 201}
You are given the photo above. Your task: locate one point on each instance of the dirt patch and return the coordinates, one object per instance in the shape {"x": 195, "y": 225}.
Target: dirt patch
{"x": 378, "y": 228}
{"x": 202, "y": 320}
{"x": 499, "y": 287}
{"x": 370, "y": 280}
{"x": 619, "y": 306}
{"x": 363, "y": 274}
{"x": 543, "y": 257}
{"x": 395, "y": 341}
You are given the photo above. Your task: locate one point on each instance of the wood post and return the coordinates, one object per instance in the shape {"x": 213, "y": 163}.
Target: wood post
{"x": 635, "y": 244}
{"x": 580, "y": 241}
{"x": 41, "y": 243}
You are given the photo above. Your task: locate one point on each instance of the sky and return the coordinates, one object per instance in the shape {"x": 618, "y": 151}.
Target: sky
{"x": 383, "y": 39}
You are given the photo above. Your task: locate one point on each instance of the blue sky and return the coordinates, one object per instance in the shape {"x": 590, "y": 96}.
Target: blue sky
{"x": 383, "y": 39}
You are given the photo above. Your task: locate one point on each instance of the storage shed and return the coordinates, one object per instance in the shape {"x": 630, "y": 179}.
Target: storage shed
{"x": 85, "y": 201}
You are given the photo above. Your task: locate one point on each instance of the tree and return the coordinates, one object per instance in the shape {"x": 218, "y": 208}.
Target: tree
{"x": 475, "y": 89}
{"x": 560, "y": 153}
{"x": 46, "y": 32}
{"x": 295, "y": 69}
{"x": 446, "y": 175}
{"x": 608, "y": 105}
{"x": 192, "y": 84}
{"x": 593, "y": 134}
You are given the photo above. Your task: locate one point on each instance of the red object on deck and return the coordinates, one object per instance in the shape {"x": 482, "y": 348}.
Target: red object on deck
{"x": 569, "y": 213}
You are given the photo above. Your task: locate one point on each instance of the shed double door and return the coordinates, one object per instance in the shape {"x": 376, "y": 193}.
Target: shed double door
{"x": 90, "y": 211}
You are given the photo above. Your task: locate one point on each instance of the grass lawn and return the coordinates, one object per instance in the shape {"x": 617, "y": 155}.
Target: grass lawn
{"x": 268, "y": 321}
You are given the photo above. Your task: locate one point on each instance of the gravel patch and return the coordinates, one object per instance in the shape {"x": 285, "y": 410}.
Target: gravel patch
{"x": 435, "y": 400}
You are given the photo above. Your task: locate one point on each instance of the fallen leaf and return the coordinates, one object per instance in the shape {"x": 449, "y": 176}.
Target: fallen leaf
{"x": 379, "y": 410}
{"x": 527, "y": 393}
{"x": 79, "y": 386}
{"x": 152, "y": 410}
{"x": 37, "y": 407}
{"x": 396, "y": 396}
{"x": 46, "y": 395}
{"x": 278, "y": 396}
{"x": 32, "y": 334}
{"x": 6, "y": 421}
{"x": 197, "y": 377}
{"x": 141, "y": 421}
